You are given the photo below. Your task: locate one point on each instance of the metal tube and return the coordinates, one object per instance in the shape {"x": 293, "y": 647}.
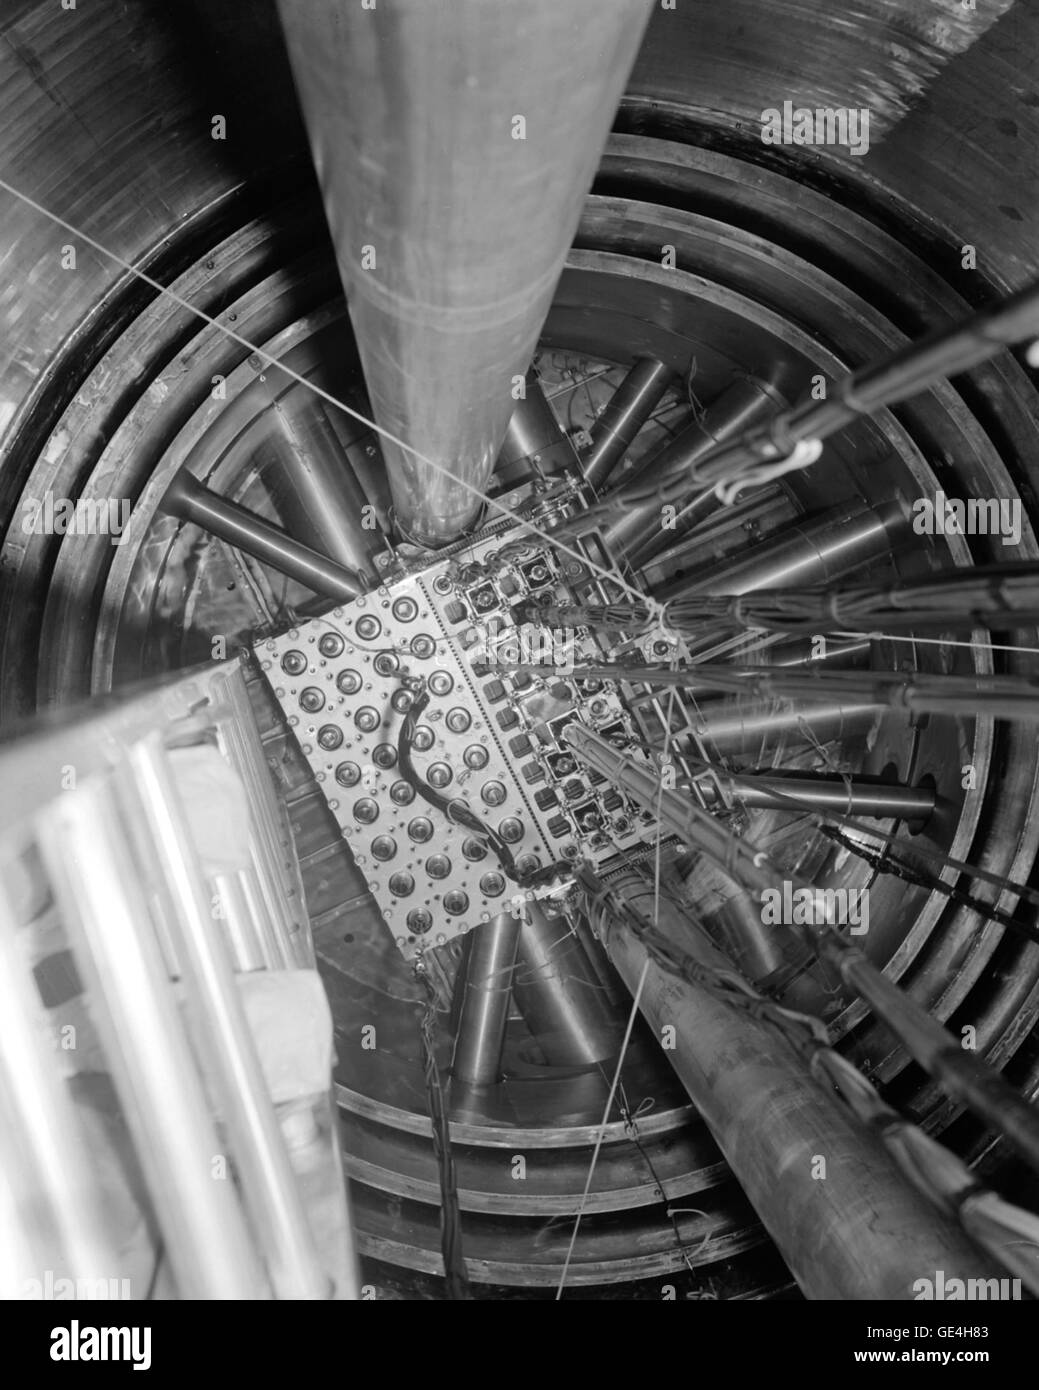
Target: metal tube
{"x": 775, "y": 650}
{"x": 878, "y": 800}
{"x": 318, "y": 497}
{"x": 275, "y": 868}
{"x": 904, "y": 373}
{"x": 97, "y": 886}
{"x": 564, "y": 1005}
{"x": 234, "y": 524}
{"x": 535, "y": 442}
{"x": 603, "y": 972}
{"x": 711, "y": 532}
{"x": 818, "y": 551}
{"x": 258, "y": 900}
{"x": 799, "y": 651}
{"x": 963, "y": 1076}
{"x": 271, "y": 1194}
{"x": 748, "y": 728}
{"x": 484, "y": 1015}
{"x": 745, "y": 402}
{"x": 627, "y": 410}
{"x": 852, "y": 1230}
{"x": 244, "y": 938}
{"x": 454, "y": 146}
{"x": 732, "y": 918}
{"x": 44, "y": 1161}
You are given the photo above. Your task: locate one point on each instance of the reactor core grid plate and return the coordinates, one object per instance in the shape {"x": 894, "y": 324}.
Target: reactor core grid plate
{"x": 489, "y": 736}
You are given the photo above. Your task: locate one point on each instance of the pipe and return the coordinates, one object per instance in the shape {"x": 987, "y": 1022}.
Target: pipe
{"x": 746, "y": 728}
{"x": 454, "y": 145}
{"x": 100, "y": 894}
{"x": 272, "y": 1197}
{"x": 272, "y": 884}
{"x": 564, "y": 1005}
{"x": 853, "y": 1230}
{"x": 812, "y": 552}
{"x": 58, "y": 1216}
{"x": 732, "y": 918}
{"x": 744, "y": 403}
{"x": 964, "y": 1077}
{"x": 487, "y": 991}
{"x": 742, "y": 727}
{"x": 316, "y": 493}
{"x": 799, "y": 651}
{"x": 711, "y": 532}
{"x": 627, "y": 410}
{"x": 880, "y": 801}
{"x": 906, "y": 372}
{"x": 236, "y": 526}
{"x": 534, "y": 441}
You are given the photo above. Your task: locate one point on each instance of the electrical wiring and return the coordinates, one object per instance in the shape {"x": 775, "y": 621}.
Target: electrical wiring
{"x": 455, "y": 810}
{"x": 980, "y": 596}
{"x": 455, "y": 1270}
{"x": 1009, "y": 1233}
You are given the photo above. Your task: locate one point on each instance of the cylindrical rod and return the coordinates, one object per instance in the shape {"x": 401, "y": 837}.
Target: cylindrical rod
{"x": 746, "y": 401}
{"x": 59, "y": 1204}
{"x": 746, "y": 728}
{"x": 234, "y": 524}
{"x": 799, "y": 651}
{"x": 627, "y": 410}
{"x": 959, "y": 1072}
{"x": 732, "y": 918}
{"x": 318, "y": 496}
{"x": 707, "y": 532}
{"x": 484, "y": 1015}
{"x": 244, "y": 936}
{"x": 846, "y": 1222}
{"x": 273, "y": 883}
{"x": 454, "y": 145}
{"x": 563, "y": 1003}
{"x": 877, "y": 800}
{"x": 534, "y": 441}
{"x": 818, "y": 551}
{"x": 215, "y": 1008}
{"x": 106, "y": 910}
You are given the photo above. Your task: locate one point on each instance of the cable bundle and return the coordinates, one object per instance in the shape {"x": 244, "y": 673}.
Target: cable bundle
{"x": 985, "y": 596}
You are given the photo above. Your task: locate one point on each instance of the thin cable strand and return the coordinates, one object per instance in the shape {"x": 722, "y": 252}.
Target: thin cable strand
{"x": 545, "y": 536}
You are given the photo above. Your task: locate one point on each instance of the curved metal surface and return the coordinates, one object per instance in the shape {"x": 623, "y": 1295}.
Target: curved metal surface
{"x": 454, "y": 148}
{"x": 789, "y": 262}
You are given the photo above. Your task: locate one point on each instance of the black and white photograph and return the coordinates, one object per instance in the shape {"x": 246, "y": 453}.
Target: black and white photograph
{"x": 519, "y": 673}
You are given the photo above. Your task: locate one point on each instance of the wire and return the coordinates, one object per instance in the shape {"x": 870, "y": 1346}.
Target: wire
{"x": 832, "y": 818}
{"x": 947, "y": 1182}
{"x": 941, "y": 642}
{"x": 547, "y": 538}
{"x": 889, "y": 863}
{"x": 1008, "y": 697}
{"x": 602, "y": 1128}
{"x": 980, "y": 596}
{"x": 454, "y": 809}
{"x": 631, "y": 1129}
{"x": 455, "y": 1270}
